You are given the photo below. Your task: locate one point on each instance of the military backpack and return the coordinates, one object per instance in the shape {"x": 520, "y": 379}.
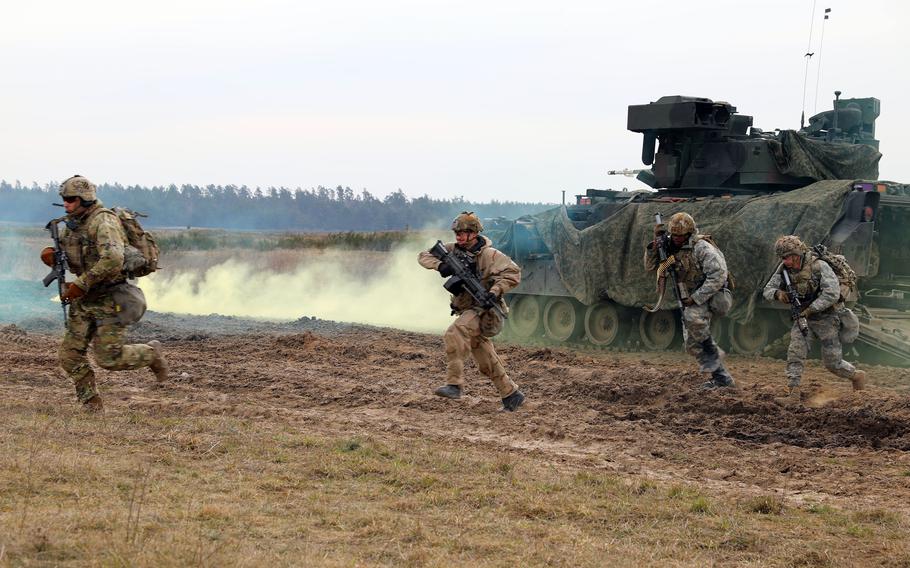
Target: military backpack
{"x": 141, "y": 254}
{"x": 846, "y": 276}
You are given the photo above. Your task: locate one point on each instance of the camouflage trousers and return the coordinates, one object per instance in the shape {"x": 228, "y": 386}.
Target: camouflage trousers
{"x": 95, "y": 319}
{"x": 464, "y": 338}
{"x": 697, "y": 337}
{"x": 826, "y": 327}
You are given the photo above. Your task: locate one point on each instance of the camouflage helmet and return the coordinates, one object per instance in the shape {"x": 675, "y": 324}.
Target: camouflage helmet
{"x": 681, "y": 224}
{"x": 467, "y": 221}
{"x": 789, "y": 244}
{"x": 78, "y": 186}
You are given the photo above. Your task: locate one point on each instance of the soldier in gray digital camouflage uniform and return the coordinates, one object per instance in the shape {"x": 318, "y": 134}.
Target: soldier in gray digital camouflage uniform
{"x": 95, "y": 243}
{"x": 819, "y": 291}
{"x": 702, "y": 269}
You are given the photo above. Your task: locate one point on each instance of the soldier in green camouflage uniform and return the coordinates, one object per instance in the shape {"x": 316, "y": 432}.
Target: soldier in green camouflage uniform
{"x": 94, "y": 241}
{"x": 702, "y": 269}
{"x": 819, "y": 291}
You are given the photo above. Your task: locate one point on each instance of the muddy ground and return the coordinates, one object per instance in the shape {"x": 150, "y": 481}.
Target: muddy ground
{"x": 629, "y": 413}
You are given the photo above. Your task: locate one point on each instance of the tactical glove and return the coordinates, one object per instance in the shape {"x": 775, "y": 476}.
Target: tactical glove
{"x": 445, "y": 270}
{"x": 72, "y": 292}
{"x": 688, "y": 302}
{"x": 47, "y": 256}
{"x": 806, "y": 313}
{"x": 659, "y": 230}
{"x": 782, "y": 297}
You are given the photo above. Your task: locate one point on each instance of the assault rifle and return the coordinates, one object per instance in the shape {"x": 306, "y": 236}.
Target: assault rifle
{"x": 58, "y": 270}
{"x": 463, "y": 279}
{"x": 667, "y": 264}
{"x": 796, "y": 306}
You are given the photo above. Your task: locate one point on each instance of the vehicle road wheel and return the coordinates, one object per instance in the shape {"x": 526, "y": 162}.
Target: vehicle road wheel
{"x": 524, "y": 316}
{"x": 718, "y": 330}
{"x": 657, "y": 330}
{"x": 560, "y": 319}
{"x": 749, "y": 338}
{"x": 602, "y": 323}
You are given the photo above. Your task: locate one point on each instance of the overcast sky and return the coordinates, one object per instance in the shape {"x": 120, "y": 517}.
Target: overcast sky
{"x": 489, "y": 100}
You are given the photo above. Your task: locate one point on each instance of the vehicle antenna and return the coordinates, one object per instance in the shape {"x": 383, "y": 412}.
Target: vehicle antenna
{"x": 818, "y": 70}
{"x": 808, "y": 56}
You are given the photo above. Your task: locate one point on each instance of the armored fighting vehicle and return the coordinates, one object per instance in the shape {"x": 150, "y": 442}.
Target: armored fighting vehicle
{"x": 583, "y": 278}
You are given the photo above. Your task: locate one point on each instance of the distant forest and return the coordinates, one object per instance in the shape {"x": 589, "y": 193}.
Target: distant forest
{"x": 233, "y": 207}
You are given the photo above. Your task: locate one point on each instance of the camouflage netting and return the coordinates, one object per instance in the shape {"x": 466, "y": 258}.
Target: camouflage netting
{"x": 799, "y": 156}
{"x": 606, "y": 259}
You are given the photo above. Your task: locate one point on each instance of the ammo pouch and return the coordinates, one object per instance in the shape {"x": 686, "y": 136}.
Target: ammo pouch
{"x": 129, "y": 301}
{"x": 490, "y": 323}
{"x": 721, "y": 302}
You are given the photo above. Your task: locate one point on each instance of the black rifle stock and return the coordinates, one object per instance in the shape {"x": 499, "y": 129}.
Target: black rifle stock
{"x": 58, "y": 270}
{"x": 796, "y": 306}
{"x": 463, "y": 279}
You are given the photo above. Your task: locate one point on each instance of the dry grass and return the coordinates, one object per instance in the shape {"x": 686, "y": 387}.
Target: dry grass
{"x": 133, "y": 489}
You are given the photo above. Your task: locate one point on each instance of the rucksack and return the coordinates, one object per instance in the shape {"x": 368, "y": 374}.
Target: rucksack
{"x": 849, "y": 291}
{"x": 731, "y": 283}
{"x": 143, "y": 243}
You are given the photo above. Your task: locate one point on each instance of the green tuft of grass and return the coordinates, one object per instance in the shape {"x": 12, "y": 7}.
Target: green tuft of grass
{"x": 700, "y": 505}
{"x": 349, "y": 446}
{"x": 765, "y": 505}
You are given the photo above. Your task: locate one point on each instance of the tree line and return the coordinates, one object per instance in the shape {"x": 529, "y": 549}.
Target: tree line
{"x": 240, "y": 207}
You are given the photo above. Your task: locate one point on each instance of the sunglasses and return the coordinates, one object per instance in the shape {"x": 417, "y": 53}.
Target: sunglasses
{"x": 71, "y": 198}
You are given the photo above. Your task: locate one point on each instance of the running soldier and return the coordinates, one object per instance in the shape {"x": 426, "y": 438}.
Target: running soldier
{"x": 470, "y": 333}
{"x": 819, "y": 290}
{"x": 94, "y": 241}
{"x": 702, "y": 271}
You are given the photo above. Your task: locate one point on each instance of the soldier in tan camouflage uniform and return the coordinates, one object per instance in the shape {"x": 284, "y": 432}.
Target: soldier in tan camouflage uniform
{"x": 94, "y": 241}
{"x": 470, "y": 332}
{"x": 703, "y": 271}
{"x": 819, "y": 291}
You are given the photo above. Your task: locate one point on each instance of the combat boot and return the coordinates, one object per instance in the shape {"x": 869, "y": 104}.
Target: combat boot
{"x": 449, "y": 391}
{"x": 93, "y": 405}
{"x": 513, "y": 401}
{"x": 858, "y": 380}
{"x": 158, "y": 365}
{"x": 719, "y": 379}
{"x": 712, "y": 356}
{"x": 793, "y": 398}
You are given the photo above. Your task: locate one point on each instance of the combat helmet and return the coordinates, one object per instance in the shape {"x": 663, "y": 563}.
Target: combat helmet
{"x": 467, "y": 221}
{"x": 78, "y": 186}
{"x": 789, "y": 244}
{"x": 681, "y": 224}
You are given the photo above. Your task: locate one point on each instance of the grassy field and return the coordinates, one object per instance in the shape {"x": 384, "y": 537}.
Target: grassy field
{"x": 154, "y": 489}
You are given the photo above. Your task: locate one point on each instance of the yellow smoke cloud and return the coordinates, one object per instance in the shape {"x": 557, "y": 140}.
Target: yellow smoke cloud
{"x": 398, "y": 294}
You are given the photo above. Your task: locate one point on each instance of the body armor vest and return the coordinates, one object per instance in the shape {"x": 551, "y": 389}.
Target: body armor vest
{"x": 82, "y": 252}
{"x": 806, "y": 281}
{"x": 690, "y": 273}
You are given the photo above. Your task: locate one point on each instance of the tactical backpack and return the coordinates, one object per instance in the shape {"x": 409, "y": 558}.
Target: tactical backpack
{"x": 731, "y": 283}
{"x": 142, "y": 260}
{"x": 845, "y": 275}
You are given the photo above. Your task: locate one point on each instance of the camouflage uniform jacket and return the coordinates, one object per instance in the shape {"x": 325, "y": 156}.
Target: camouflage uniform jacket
{"x": 494, "y": 268}
{"x": 701, "y": 265}
{"x": 816, "y": 283}
{"x": 94, "y": 243}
